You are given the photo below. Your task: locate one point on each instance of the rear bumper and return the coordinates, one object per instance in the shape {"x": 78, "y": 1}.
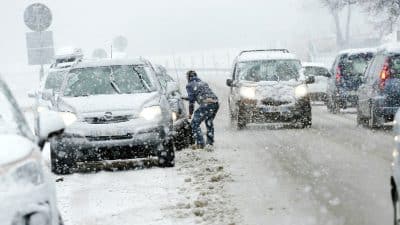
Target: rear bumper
{"x": 347, "y": 99}
{"x": 385, "y": 109}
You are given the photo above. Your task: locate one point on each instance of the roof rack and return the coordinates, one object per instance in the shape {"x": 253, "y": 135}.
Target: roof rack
{"x": 265, "y": 50}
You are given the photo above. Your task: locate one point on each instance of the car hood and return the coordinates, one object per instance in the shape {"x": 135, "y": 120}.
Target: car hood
{"x": 107, "y": 103}
{"x": 14, "y": 148}
{"x": 282, "y": 90}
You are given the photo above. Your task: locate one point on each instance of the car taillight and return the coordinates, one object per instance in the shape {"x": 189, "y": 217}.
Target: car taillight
{"x": 385, "y": 74}
{"x": 338, "y": 74}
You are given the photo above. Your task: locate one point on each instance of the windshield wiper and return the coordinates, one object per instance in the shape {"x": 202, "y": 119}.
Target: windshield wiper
{"x": 142, "y": 80}
{"x": 112, "y": 82}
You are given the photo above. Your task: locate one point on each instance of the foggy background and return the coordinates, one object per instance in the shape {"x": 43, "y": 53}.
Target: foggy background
{"x": 159, "y": 27}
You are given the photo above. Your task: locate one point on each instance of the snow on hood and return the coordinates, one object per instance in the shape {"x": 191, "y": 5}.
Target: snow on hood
{"x": 107, "y": 103}
{"x": 14, "y": 148}
{"x": 281, "y": 91}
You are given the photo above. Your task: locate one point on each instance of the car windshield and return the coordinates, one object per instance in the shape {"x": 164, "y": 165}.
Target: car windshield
{"x": 355, "y": 65}
{"x": 107, "y": 80}
{"x": 315, "y": 71}
{"x": 269, "y": 70}
{"x": 54, "y": 80}
{"x": 11, "y": 119}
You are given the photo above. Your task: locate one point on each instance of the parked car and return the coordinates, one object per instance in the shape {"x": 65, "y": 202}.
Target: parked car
{"x": 267, "y": 86}
{"x": 379, "y": 96}
{"x": 117, "y": 111}
{"x": 317, "y": 90}
{"x": 348, "y": 70}
{"x": 26, "y": 187}
{"x": 182, "y": 129}
{"x": 395, "y": 178}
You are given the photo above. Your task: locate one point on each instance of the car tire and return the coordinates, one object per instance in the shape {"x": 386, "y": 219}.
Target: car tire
{"x": 374, "y": 121}
{"x": 306, "y": 120}
{"x": 361, "y": 121}
{"x": 396, "y": 203}
{"x": 238, "y": 119}
{"x": 60, "y": 165}
{"x": 166, "y": 157}
{"x": 184, "y": 137}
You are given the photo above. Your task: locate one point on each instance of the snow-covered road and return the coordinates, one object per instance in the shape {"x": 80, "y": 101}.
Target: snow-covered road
{"x": 333, "y": 173}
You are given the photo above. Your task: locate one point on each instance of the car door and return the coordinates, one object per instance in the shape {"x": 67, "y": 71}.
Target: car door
{"x": 363, "y": 90}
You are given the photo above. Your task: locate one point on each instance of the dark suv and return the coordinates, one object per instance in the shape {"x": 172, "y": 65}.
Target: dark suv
{"x": 348, "y": 72}
{"x": 379, "y": 96}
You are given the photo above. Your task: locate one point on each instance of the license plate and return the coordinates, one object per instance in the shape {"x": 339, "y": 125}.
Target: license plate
{"x": 271, "y": 109}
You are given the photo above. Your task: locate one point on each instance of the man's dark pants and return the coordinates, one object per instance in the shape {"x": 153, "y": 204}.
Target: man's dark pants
{"x": 207, "y": 113}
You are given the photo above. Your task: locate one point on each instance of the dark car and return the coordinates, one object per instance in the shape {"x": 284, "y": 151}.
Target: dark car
{"x": 182, "y": 129}
{"x": 379, "y": 96}
{"x": 348, "y": 74}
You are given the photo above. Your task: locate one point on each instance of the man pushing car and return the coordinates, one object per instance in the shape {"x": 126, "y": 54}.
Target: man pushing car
{"x": 200, "y": 92}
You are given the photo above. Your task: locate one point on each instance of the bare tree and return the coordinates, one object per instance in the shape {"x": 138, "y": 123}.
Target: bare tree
{"x": 386, "y": 13}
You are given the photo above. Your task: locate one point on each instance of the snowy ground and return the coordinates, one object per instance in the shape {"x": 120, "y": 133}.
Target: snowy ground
{"x": 334, "y": 173}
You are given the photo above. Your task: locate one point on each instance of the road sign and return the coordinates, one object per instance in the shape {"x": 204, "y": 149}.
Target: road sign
{"x": 120, "y": 43}
{"x": 40, "y": 47}
{"x": 38, "y": 17}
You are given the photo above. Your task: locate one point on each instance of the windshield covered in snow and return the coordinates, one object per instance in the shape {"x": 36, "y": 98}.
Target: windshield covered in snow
{"x": 355, "y": 65}
{"x": 54, "y": 80}
{"x": 269, "y": 70}
{"x": 315, "y": 71}
{"x": 107, "y": 80}
{"x": 11, "y": 119}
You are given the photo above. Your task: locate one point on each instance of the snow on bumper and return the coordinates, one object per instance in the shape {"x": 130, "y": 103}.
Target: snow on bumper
{"x": 36, "y": 207}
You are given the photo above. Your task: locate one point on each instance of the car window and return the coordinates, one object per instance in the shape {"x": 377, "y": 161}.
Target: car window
{"x": 54, "y": 80}
{"x": 107, "y": 80}
{"x": 12, "y": 120}
{"x": 395, "y": 66}
{"x": 315, "y": 71}
{"x": 355, "y": 65}
{"x": 269, "y": 70}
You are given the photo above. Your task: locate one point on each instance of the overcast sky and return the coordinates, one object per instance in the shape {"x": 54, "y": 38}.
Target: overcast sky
{"x": 165, "y": 26}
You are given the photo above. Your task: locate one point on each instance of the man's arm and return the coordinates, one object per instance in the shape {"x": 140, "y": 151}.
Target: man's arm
{"x": 191, "y": 99}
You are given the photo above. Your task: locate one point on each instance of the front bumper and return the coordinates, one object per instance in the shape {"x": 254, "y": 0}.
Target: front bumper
{"x": 29, "y": 206}
{"x": 254, "y": 112}
{"x": 138, "y": 143}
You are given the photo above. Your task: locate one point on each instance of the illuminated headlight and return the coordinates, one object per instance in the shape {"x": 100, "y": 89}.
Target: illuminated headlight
{"x": 301, "y": 91}
{"x": 150, "y": 113}
{"x": 68, "y": 118}
{"x": 174, "y": 116}
{"x": 395, "y": 154}
{"x": 29, "y": 173}
{"x": 248, "y": 92}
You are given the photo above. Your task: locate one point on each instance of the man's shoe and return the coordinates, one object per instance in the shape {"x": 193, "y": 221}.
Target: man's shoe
{"x": 196, "y": 147}
{"x": 209, "y": 148}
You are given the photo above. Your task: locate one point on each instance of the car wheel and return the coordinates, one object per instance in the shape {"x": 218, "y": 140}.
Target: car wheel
{"x": 361, "y": 121}
{"x": 374, "y": 121}
{"x": 166, "y": 157}
{"x": 396, "y": 203}
{"x": 60, "y": 165}
{"x": 238, "y": 120}
{"x": 329, "y": 104}
{"x": 306, "y": 120}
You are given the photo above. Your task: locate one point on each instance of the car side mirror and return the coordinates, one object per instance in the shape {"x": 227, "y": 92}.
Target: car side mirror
{"x": 48, "y": 94}
{"x": 229, "y": 82}
{"x": 172, "y": 87}
{"x": 50, "y": 125}
{"x": 310, "y": 80}
{"x": 32, "y": 94}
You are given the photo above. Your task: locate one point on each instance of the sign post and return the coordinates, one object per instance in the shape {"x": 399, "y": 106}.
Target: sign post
{"x": 38, "y": 18}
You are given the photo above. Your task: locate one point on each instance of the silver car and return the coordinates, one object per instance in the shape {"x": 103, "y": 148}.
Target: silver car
{"x": 27, "y": 190}
{"x": 115, "y": 111}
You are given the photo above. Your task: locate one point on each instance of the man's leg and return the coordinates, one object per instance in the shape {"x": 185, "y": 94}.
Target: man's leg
{"x": 198, "y": 118}
{"x": 211, "y": 114}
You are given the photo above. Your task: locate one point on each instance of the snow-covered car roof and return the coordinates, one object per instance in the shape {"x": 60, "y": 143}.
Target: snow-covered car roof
{"x": 265, "y": 55}
{"x": 313, "y": 64}
{"x": 110, "y": 62}
{"x": 358, "y": 51}
{"x": 391, "y": 47}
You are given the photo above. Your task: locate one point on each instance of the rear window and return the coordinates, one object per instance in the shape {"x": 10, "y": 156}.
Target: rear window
{"x": 355, "y": 65}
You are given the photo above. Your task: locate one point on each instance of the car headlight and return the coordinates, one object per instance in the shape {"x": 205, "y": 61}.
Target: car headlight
{"x": 150, "y": 113}
{"x": 68, "y": 118}
{"x": 174, "y": 116}
{"x": 248, "y": 92}
{"x": 301, "y": 91}
{"x": 29, "y": 173}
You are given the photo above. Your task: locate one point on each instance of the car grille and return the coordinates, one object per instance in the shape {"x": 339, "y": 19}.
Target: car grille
{"x": 109, "y": 138}
{"x": 113, "y": 119}
{"x": 273, "y": 102}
